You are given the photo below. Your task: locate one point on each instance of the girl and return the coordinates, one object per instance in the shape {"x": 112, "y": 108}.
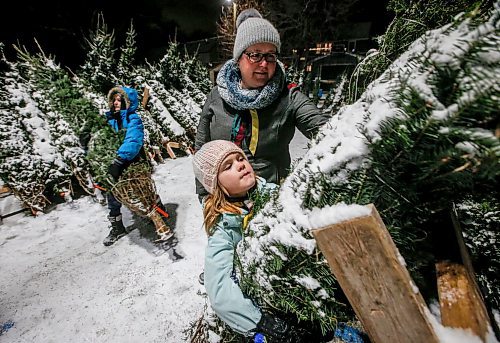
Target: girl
{"x": 223, "y": 169}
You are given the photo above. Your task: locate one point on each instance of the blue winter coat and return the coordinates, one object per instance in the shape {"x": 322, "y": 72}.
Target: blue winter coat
{"x": 226, "y": 297}
{"x": 130, "y": 121}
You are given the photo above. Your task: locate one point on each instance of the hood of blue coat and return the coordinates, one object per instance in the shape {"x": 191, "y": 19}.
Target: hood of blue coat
{"x": 129, "y": 95}
{"x": 133, "y": 98}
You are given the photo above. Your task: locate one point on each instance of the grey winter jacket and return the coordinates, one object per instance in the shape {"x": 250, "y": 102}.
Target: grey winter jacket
{"x": 276, "y": 127}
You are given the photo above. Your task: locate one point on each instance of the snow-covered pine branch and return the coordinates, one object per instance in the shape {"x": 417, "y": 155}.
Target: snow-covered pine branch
{"x": 30, "y": 160}
{"x": 420, "y": 138}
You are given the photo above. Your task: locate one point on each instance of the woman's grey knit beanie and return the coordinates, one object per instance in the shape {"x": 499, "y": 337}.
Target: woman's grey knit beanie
{"x": 253, "y": 29}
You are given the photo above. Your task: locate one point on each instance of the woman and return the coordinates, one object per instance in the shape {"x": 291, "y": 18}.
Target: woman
{"x": 251, "y": 104}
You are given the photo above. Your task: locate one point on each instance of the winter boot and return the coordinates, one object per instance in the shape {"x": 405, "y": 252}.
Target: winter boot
{"x": 117, "y": 230}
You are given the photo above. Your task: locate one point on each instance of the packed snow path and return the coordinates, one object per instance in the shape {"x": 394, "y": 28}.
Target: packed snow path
{"x": 59, "y": 283}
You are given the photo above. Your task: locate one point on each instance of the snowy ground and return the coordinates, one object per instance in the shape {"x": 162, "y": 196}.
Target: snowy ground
{"x": 58, "y": 283}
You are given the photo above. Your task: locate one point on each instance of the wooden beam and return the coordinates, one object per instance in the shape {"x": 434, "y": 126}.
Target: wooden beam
{"x": 5, "y": 190}
{"x": 460, "y": 301}
{"x": 371, "y": 272}
{"x": 145, "y": 97}
{"x": 169, "y": 146}
{"x": 480, "y": 308}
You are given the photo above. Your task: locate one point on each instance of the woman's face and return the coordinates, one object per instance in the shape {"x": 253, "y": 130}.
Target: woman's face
{"x": 236, "y": 175}
{"x": 257, "y": 74}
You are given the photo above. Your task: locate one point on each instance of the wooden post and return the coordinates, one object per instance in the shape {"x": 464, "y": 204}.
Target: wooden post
{"x": 371, "y": 272}
{"x": 460, "y": 301}
{"x": 462, "y": 304}
{"x": 4, "y": 190}
{"x": 169, "y": 146}
{"x": 145, "y": 97}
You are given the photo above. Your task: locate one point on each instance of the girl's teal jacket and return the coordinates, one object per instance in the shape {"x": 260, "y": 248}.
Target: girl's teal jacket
{"x": 226, "y": 297}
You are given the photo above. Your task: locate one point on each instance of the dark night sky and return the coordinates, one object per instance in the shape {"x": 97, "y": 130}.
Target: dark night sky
{"x": 60, "y": 26}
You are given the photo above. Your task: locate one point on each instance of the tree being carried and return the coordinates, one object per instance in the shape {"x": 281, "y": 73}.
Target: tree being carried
{"x": 130, "y": 172}
{"x": 419, "y": 140}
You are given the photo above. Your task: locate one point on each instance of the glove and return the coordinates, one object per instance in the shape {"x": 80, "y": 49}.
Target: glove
{"x": 116, "y": 168}
{"x": 274, "y": 329}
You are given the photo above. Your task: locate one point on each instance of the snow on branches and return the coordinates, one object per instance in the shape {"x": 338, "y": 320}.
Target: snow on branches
{"x": 420, "y": 139}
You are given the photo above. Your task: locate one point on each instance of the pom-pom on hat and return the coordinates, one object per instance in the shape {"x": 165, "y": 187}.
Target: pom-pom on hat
{"x": 253, "y": 29}
{"x": 207, "y": 161}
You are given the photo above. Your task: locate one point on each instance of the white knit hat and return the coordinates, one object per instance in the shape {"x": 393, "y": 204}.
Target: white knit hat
{"x": 253, "y": 29}
{"x": 207, "y": 160}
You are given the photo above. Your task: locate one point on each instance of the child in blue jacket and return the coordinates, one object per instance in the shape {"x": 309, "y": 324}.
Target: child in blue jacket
{"x": 123, "y": 103}
{"x": 223, "y": 169}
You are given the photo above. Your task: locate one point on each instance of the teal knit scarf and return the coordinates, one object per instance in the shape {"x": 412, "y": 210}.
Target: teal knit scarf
{"x": 229, "y": 86}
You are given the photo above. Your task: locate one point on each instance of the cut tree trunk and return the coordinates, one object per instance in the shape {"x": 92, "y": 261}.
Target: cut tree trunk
{"x": 460, "y": 301}
{"x": 372, "y": 274}
{"x": 145, "y": 97}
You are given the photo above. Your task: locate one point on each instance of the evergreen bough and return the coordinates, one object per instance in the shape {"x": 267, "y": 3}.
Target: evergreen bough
{"x": 39, "y": 152}
{"x": 419, "y": 141}
{"x": 412, "y": 19}
{"x": 70, "y": 117}
{"x": 53, "y": 128}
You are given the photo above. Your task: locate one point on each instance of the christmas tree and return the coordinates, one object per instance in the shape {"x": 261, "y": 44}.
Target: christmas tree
{"x": 124, "y": 68}
{"x": 198, "y": 74}
{"x": 411, "y": 20}
{"x": 71, "y": 117}
{"x": 31, "y": 162}
{"x": 176, "y": 99}
{"x": 187, "y": 81}
{"x": 419, "y": 141}
{"x": 97, "y": 71}
{"x": 162, "y": 105}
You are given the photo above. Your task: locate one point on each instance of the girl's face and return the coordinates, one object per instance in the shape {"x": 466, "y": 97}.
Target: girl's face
{"x": 236, "y": 175}
{"x": 117, "y": 102}
{"x": 256, "y": 74}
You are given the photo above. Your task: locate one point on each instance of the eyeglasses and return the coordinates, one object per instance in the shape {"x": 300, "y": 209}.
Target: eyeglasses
{"x": 256, "y": 57}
